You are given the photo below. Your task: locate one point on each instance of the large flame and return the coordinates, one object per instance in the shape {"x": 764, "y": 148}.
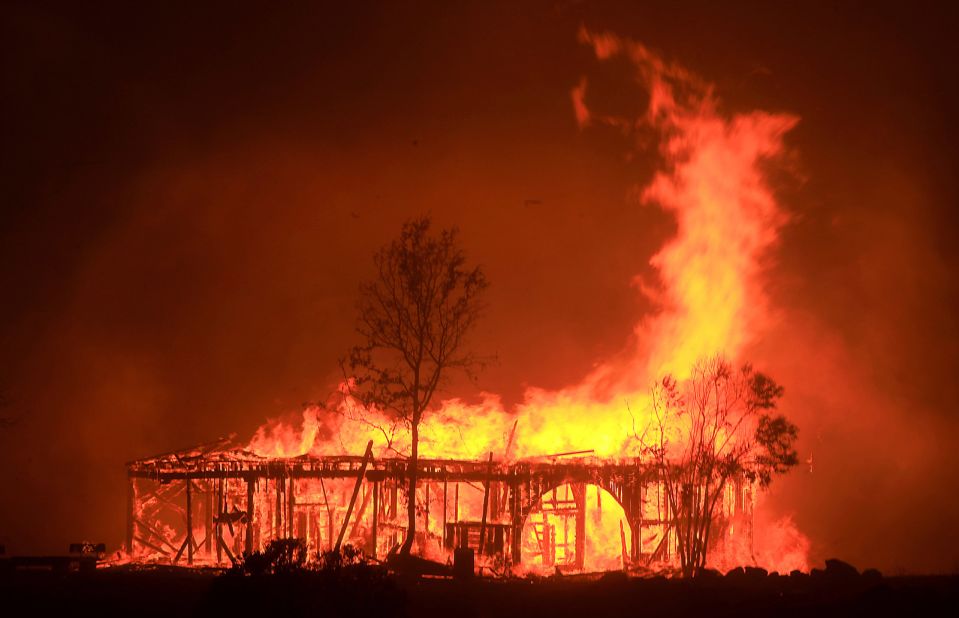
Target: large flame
{"x": 709, "y": 294}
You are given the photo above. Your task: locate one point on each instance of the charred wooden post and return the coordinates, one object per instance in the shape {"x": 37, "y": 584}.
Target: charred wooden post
{"x": 219, "y": 526}
{"x": 249, "y": 514}
{"x": 279, "y": 485}
{"x": 188, "y": 539}
{"x": 329, "y": 528}
{"x": 189, "y": 522}
{"x": 391, "y": 509}
{"x": 208, "y": 517}
{"x": 579, "y": 495}
{"x": 622, "y": 541}
{"x": 426, "y": 514}
{"x": 376, "y": 514}
{"x": 632, "y": 497}
{"x": 361, "y": 512}
{"x": 329, "y": 514}
{"x": 489, "y": 481}
{"x": 356, "y": 490}
{"x": 131, "y": 513}
{"x": 291, "y": 502}
{"x": 516, "y": 519}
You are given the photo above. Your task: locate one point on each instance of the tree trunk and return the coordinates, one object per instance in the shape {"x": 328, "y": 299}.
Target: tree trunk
{"x": 411, "y": 497}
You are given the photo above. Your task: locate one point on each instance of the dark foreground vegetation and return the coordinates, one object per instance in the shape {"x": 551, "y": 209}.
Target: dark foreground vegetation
{"x": 364, "y": 590}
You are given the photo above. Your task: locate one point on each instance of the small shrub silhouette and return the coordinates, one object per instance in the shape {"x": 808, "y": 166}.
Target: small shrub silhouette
{"x": 332, "y": 560}
{"x": 280, "y": 557}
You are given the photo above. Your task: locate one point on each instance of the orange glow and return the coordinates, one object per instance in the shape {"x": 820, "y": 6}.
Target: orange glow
{"x": 709, "y": 298}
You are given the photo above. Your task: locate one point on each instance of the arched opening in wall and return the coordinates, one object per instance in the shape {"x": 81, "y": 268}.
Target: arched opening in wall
{"x": 576, "y": 527}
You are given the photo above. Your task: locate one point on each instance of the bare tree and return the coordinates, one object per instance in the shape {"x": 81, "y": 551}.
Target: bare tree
{"x": 706, "y": 431}
{"x": 414, "y": 317}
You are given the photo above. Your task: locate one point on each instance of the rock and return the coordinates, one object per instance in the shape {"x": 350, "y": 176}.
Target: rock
{"x": 796, "y": 573}
{"x": 709, "y": 573}
{"x": 736, "y": 572}
{"x": 756, "y": 572}
{"x": 838, "y": 568}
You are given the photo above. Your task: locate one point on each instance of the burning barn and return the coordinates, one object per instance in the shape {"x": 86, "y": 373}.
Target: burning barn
{"x": 570, "y": 511}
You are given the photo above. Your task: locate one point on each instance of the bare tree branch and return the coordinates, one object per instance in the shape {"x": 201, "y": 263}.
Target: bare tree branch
{"x": 712, "y": 428}
{"x": 414, "y": 318}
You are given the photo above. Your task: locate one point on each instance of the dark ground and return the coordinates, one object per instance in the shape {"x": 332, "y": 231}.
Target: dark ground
{"x": 180, "y": 592}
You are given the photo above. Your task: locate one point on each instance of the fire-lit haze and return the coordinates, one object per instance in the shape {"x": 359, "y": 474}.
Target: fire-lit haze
{"x": 189, "y": 211}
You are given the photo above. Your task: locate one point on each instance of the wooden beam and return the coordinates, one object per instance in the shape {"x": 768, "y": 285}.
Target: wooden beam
{"x": 280, "y": 485}
{"x": 329, "y": 529}
{"x": 329, "y": 515}
{"x": 376, "y": 513}
{"x": 394, "y": 499}
{"x": 579, "y": 495}
{"x": 249, "y": 515}
{"x": 622, "y": 541}
{"x": 179, "y": 552}
{"x": 218, "y": 528}
{"x": 360, "y": 513}
{"x": 131, "y": 512}
{"x": 291, "y": 502}
{"x": 356, "y": 490}
{"x": 516, "y": 518}
{"x": 208, "y": 517}
{"x": 222, "y": 544}
{"x": 489, "y": 476}
{"x": 568, "y": 453}
{"x": 189, "y": 522}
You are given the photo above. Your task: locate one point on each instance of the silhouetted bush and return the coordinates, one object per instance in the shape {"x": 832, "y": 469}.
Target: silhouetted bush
{"x": 280, "y": 557}
{"x": 333, "y": 560}
{"x": 289, "y": 581}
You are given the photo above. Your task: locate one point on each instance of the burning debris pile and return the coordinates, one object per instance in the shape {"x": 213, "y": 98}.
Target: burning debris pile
{"x": 515, "y": 485}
